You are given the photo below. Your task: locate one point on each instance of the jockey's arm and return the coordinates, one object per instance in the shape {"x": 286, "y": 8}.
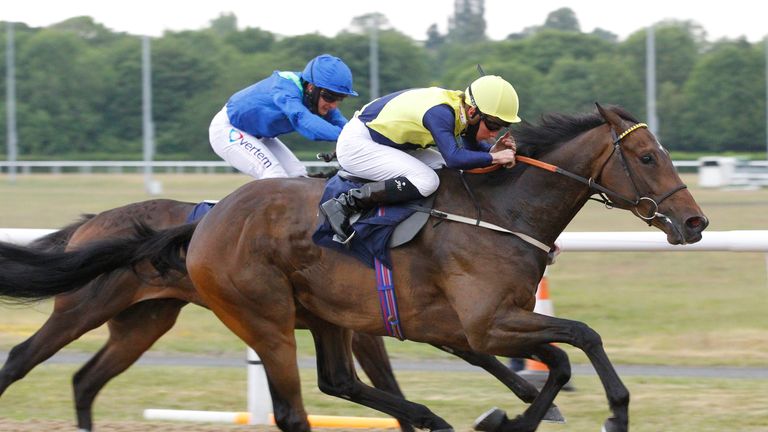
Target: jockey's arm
{"x": 440, "y": 122}
{"x": 304, "y": 121}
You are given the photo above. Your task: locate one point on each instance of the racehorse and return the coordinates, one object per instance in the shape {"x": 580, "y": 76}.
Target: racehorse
{"x": 253, "y": 263}
{"x": 139, "y": 313}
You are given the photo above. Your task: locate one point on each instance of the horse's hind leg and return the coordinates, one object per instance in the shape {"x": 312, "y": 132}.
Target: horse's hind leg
{"x": 336, "y": 376}
{"x": 276, "y": 346}
{"x": 131, "y": 333}
{"x": 264, "y": 317}
{"x": 524, "y": 390}
{"x": 371, "y": 354}
{"x": 73, "y": 315}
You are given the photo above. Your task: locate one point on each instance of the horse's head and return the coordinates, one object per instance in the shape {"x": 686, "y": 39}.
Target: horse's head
{"x": 641, "y": 173}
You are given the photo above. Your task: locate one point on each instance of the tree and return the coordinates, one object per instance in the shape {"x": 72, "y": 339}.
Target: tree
{"x": 605, "y": 35}
{"x": 678, "y": 45}
{"x": 434, "y": 39}
{"x": 224, "y": 24}
{"x": 61, "y": 95}
{"x": 563, "y": 19}
{"x": 544, "y": 48}
{"x": 251, "y": 40}
{"x": 574, "y": 85}
{"x": 185, "y": 65}
{"x": 467, "y": 25}
{"x": 87, "y": 29}
{"x": 725, "y": 96}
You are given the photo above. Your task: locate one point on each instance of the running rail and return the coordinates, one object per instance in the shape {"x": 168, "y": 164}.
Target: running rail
{"x": 613, "y": 241}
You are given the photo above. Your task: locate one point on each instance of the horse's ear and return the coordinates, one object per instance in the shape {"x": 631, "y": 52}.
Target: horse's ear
{"x": 610, "y": 117}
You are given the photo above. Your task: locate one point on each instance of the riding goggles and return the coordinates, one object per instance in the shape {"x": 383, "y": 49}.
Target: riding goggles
{"x": 492, "y": 124}
{"x": 331, "y": 97}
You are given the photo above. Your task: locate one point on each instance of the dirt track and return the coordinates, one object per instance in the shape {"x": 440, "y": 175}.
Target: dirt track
{"x": 128, "y": 426}
{"x": 53, "y": 425}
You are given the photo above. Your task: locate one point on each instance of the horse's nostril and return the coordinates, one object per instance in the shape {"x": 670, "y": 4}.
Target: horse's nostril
{"x": 697, "y": 223}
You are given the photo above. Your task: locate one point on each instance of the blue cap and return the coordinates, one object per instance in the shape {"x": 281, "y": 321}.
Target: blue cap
{"x": 329, "y": 72}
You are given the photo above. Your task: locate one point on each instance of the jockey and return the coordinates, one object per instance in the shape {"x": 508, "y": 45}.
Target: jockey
{"x": 244, "y": 133}
{"x": 388, "y": 142}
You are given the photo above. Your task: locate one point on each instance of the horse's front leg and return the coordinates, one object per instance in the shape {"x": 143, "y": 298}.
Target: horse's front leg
{"x": 524, "y": 390}
{"x": 517, "y": 330}
{"x": 542, "y": 407}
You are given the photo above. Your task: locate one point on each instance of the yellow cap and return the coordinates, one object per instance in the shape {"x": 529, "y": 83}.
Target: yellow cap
{"x": 494, "y": 96}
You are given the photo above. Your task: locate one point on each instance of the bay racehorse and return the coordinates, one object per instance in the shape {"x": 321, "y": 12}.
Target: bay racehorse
{"x": 254, "y": 264}
{"x": 457, "y": 285}
{"x": 138, "y": 313}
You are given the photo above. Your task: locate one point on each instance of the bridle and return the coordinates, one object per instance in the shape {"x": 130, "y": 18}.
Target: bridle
{"x": 606, "y": 195}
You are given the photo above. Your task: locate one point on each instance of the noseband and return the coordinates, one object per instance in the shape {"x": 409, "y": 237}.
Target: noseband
{"x": 605, "y": 193}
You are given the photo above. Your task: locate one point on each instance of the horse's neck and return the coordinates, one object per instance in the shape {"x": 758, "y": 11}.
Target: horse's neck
{"x": 537, "y": 202}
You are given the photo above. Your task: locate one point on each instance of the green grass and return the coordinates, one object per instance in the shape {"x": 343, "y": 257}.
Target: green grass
{"x": 658, "y": 404}
{"x": 697, "y": 308}
{"x": 670, "y": 308}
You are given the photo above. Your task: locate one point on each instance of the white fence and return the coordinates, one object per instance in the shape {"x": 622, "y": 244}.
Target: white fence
{"x": 26, "y": 167}
{"x": 56, "y": 167}
{"x": 616, "y": 241}
{"x": 712, "y": 171}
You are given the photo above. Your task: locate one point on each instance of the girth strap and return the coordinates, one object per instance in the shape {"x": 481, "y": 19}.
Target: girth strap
{"x": 477, "y": 222}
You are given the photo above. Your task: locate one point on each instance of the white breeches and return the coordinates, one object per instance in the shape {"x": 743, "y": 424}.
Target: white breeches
{"x": 258, "y": 157}
{"x": 362, "y": 157}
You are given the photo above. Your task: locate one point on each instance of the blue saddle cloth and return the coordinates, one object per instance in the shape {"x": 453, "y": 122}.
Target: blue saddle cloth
{"x": 199, "y": 211}
{"x": 373, "y": 229}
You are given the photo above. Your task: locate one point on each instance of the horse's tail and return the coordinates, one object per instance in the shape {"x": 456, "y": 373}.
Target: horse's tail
{"x": 57, "y": 241}
{"x": 28, "y": 274}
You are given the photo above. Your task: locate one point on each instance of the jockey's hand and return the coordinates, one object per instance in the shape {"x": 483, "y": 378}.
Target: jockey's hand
{"x": 506, "y": 142}
{"x": 504, "y": 157}
{"x": 326, "y": 157}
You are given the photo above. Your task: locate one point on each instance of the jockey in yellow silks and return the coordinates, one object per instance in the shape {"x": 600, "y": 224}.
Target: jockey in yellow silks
{"x": 398, "y": 141}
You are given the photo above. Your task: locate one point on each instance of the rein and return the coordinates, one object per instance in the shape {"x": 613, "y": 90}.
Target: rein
{"x": 604, "y": 192}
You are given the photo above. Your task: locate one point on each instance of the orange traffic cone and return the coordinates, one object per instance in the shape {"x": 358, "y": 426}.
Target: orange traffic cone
{"x": 536, "y": 372}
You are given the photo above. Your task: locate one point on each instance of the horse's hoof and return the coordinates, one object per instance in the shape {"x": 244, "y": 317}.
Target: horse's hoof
{"x": 490, "y": 420}
{"x": 612, "y": 425}
{"x": 553, "y": 415}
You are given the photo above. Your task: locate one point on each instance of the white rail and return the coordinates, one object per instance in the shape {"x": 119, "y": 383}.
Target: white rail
{"x": 616, "y": 241}
{"x": 26, "y": 167}
{"x": 182, "y": 166}
{"x": 632, "y": 241}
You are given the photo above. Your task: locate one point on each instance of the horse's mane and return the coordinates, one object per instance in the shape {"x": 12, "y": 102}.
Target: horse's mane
{"x": 534, "y": 140}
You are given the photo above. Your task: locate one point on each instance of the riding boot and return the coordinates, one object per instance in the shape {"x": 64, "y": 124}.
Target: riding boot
{"x": 338, "y": 210}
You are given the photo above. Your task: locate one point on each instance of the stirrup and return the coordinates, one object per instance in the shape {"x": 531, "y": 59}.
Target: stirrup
{"x": 337, "y": 238}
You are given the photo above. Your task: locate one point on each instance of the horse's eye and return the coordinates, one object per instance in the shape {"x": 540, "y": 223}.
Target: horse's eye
{"x": 646, "y": 159}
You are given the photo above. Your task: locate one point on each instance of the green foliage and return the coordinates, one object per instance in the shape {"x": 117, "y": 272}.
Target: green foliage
{"x": 467, "y": 24}
{"x": 78, "y": 83}
{"x": 563, "y": 19}
{"x": 724, "y": 102}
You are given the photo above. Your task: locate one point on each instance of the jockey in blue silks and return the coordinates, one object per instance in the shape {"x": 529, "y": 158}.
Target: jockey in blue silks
{"x": 245, "y": 132}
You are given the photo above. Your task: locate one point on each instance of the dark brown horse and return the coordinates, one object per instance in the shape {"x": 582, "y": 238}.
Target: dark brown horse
{"x": 253, "y": 263}
{"x": 139, "y": 313}
{"x": 457, "y": 285}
